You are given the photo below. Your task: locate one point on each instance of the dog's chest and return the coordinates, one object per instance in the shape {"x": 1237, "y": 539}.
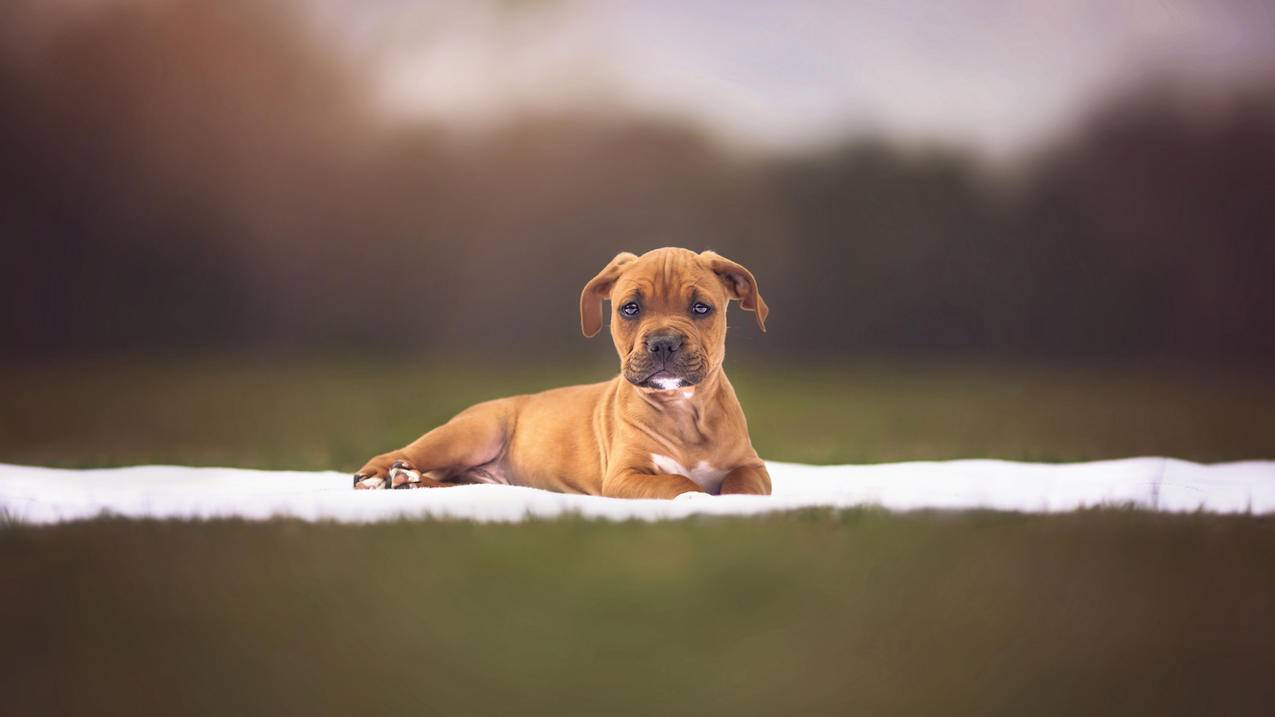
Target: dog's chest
{"x": 705, "y": 475}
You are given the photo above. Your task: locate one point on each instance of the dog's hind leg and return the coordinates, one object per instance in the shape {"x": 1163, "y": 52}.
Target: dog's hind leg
{"x": 475, "y": 437}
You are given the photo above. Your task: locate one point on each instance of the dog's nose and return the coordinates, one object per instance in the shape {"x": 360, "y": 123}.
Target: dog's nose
{"x": 663, "y": 345}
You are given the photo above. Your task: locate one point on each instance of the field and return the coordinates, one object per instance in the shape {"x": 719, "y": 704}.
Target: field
{"x": 1106, "y": 611}
{"x": 333, "y": 414}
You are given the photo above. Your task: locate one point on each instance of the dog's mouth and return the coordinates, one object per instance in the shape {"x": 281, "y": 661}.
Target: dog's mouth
{"x": 665, "y": 381}
{"x": 662, "y": 378}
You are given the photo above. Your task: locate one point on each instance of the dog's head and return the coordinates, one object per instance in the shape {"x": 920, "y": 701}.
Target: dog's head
{"x": 669, "y": 313}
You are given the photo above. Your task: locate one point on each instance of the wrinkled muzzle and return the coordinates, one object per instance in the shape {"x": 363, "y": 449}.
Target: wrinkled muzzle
{"x": 664, "y": 361}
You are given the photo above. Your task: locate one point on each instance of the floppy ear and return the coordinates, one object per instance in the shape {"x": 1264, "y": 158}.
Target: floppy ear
{"x": 740, "y": 284}
{"x": 597, "y": 290}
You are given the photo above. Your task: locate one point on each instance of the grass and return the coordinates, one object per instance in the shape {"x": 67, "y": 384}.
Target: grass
{"x": 858, "y": 612}
{"x": 861, "y": 611}
{"x": 320, "y": 414}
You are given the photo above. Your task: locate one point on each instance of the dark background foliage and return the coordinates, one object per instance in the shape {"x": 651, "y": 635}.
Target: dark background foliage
{"x": 196, "y": 175}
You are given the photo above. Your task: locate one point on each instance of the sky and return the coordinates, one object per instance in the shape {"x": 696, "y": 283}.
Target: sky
{"x": 1001, "y": 75}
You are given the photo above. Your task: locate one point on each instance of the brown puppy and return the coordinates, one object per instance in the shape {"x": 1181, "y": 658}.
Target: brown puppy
{"x": 668, "y": 425}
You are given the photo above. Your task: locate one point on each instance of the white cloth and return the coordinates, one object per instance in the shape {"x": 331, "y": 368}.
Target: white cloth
{"x": 47, "y": 495}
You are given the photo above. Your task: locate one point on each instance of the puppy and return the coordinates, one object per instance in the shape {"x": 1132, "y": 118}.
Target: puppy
{"x": 668, "y": 426}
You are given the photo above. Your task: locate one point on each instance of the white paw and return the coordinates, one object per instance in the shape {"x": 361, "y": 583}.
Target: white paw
{"x": 692, "y": 495}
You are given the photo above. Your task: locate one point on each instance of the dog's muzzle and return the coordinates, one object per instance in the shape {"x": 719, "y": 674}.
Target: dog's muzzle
{"x": 663, "y": 362}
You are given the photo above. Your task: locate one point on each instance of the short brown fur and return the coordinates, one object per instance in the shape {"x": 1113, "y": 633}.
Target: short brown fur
{"x": 607, "y": 438}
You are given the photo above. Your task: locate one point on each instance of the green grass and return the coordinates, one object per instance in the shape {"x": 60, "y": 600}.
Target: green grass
{"x": 859, "y": 612}
{"x": 312, "y": 414}
{"x": 850, "y": 612}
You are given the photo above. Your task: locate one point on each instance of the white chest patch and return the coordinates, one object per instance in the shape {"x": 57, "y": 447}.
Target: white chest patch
{"x": 705, "y": 475}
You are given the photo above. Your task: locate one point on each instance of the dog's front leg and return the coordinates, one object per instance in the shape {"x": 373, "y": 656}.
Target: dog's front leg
{"x": 634, "y": 483}
{"x": 474, "y": 437}
{"x": 747, "y": 480}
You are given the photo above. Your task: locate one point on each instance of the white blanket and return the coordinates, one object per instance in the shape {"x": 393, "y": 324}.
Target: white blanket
{"x": 46, "y": 495}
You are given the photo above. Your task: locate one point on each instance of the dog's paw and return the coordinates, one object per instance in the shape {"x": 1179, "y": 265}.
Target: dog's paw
{"x": 692, "y": 495}
{"x": 400, "y": 474}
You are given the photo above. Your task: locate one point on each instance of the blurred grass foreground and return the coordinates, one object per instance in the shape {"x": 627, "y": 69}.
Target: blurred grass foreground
{"x": 1097, "y": 612}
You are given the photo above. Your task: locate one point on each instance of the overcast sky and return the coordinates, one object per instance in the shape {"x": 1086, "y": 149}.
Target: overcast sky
{"x": 1001, "y": 74}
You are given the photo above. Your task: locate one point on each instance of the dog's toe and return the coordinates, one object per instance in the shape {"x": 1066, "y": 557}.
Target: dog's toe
{"x": 403, "y": 475}
{"x": 365, "y": 482}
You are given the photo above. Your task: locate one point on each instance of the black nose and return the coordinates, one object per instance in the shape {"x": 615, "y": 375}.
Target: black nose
{"x": 663, "y": 345}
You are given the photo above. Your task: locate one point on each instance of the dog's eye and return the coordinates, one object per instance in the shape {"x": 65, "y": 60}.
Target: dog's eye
{"x": 630, "y": 309}
{"x": 700, "y": 308}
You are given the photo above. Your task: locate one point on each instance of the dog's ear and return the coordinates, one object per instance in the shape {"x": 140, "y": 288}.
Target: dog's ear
{"x": 597, "y": 290}
{"x": 740, "y": 284}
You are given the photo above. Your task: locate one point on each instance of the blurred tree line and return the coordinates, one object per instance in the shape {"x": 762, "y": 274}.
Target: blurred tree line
{"x": 204, "y": 174}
